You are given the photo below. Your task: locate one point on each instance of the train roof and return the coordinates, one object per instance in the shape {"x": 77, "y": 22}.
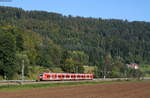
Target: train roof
{"x": 64, "y": 73}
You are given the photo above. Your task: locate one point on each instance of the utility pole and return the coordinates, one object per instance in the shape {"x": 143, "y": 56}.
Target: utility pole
{"x": 104, "y": 72}
{"x": 22, "y": 70}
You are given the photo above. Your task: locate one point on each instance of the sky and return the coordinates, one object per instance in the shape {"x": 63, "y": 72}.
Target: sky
{"x": 132, "y": 10}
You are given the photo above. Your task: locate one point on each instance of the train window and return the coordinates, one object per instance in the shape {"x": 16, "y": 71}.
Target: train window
{"x": 48, "y": 76}
{"x": 53, "y": 76}
{"x": 72, "y": 76}
{"x": 59, "y": 76}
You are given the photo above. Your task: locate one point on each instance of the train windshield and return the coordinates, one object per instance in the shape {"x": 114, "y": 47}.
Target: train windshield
{"x": 41, "y": 75}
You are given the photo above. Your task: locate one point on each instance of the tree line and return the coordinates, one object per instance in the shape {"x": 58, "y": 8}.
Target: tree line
{"x": 53, "y": 40}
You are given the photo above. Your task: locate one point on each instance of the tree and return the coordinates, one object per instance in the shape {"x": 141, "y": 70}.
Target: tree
{"x": 22, "y": 63}
{"x": 72, "y": 66}
{"x": 86, "y": 40}
{"x": 107, "y": 67}
{"x": 79, "y": 56}
{"x": 118, "y": 69}
{"x": 7, "y": 54}
{"x": 19, "y": 42}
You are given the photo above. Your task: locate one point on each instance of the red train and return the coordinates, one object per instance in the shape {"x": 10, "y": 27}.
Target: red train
{"x": 65, "y": 76}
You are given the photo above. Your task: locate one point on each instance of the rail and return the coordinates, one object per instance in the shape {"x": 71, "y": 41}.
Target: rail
{"x": 17, "y": 81}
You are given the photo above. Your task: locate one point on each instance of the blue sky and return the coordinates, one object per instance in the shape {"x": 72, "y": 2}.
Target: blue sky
{"x": 132, "y": 10}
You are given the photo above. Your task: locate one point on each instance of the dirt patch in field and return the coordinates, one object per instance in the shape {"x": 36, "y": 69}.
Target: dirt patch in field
{"x": 115, "y": 90}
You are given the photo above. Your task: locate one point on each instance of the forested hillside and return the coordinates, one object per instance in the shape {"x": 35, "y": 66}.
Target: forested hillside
{"x": 51, "y": 40}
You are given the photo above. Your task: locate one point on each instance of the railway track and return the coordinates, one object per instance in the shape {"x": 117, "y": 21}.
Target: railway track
{"x": 20, "y": 82}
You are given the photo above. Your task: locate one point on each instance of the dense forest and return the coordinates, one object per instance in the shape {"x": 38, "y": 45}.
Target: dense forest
{"x": 52, "y": 40}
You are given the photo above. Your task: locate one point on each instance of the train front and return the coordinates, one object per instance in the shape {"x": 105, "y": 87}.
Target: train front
{"x": 40, "y": 77}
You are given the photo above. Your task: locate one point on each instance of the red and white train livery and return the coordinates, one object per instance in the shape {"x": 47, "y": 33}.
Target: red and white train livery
{"x": 65, "y": 76}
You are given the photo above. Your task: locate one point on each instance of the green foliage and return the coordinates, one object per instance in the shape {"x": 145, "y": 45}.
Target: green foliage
{"x": 32, "y": 72}
{"x": 51, "y": 40}
{"x": 22, "y": 59}
{"x": 7, "y": 54}
{"x": 118, "y": 69}
{"x": 72, "y": 66}
{"x": 145, "y": 68}
{"x": 132, "y": 73}
{"x": 19, "y": 42}
{"x": 49, "y": 54}
{"x": 79, "y": 56}
{"x": 89, "y": 69}
{"x": 57, "y": 70}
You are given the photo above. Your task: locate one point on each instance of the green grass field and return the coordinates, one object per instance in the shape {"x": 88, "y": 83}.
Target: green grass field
{"x": 32, "y": 86}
